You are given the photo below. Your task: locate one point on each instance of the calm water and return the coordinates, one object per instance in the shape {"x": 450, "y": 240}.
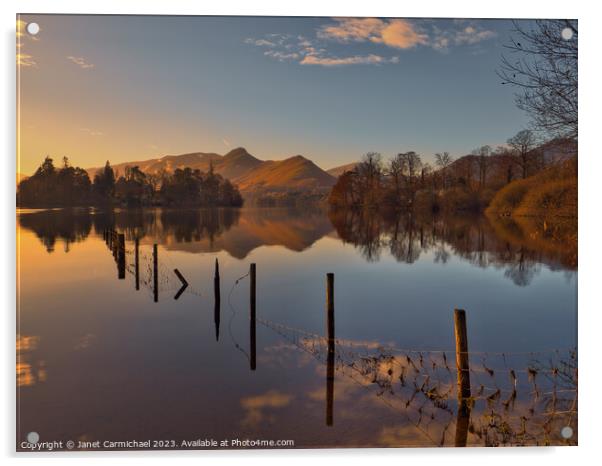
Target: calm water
{"x": 100, "y": 360}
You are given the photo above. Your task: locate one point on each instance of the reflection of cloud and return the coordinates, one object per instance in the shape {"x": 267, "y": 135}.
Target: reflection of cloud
{"x": 27, "y": 373}
{"x": 81, "y": 62}
{"x": 256, "y": 405}
{"x": 85, "y": 342}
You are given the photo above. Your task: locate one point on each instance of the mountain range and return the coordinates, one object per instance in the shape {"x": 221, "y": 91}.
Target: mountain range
{"x": 249, "y": 173}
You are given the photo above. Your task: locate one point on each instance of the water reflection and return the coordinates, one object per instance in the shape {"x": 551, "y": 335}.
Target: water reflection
{"x": 221, "y": 362}
{"x": 516, "y": 246}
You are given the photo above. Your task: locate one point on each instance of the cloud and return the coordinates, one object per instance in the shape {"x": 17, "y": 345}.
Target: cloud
{"x": 353, "y": 60}
{"x": 260, "y": 42}
{"x": 465, "y": 35}
{"x": 91, "y": 132}
{"x": 24, "y": 59}
{"x": 81, "y": 62}
{"x": 397, "y": 33}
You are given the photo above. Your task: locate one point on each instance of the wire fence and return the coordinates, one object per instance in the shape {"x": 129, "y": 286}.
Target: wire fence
{"x": 516, "y": 398}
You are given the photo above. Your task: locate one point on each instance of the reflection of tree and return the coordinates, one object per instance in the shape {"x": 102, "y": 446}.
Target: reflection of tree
{"x": 521, "y": 271}
{"x": 69, "y": 225}
{"x": 473, "y": 238}
{"x": 72, "y": 225}
{"x": 186, "y": 226}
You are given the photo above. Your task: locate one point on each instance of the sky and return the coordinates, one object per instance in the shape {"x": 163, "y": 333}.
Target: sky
{"x": 126, "y": 88}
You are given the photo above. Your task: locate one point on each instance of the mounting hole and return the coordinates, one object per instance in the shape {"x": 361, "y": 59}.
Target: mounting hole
{"x": 566, "y": 432}
{"x": 567, "y": 33}
{"x": 33, "y": 28}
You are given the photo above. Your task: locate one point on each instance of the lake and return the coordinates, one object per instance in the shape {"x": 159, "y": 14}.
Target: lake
{"x": 99, "y": 360}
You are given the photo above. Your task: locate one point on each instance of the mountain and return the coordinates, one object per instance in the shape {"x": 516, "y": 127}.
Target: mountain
{"x": 248, "y": 172}
{"x": 21, "y": 177}
{"x": 338, "y": 171}
{"x": 294, "y": 173}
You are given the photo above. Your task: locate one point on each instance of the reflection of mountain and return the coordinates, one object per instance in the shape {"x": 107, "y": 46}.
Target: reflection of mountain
{"x": 520, "y": 249}
{"x": 288, "y": 228}
{"x": 249, "y": 173}
{"x": 194, "y": 230}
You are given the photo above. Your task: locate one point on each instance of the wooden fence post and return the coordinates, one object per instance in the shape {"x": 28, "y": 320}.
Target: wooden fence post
{"x": 217, "y": 296}
{"x": 463, "y": 368}
{"x": 137, "y": 262}
{"x": 253, "y": 317}
{"x": 121, "y": 256}
{"x": 331, "y": 350}
{"x": 462, "y": 363}
{"x": 155, "y": 273}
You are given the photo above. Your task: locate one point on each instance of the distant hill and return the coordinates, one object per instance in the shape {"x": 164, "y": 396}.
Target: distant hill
{"x": 338, "y": 171}
{"x": 248, "y": 172}
{"x": 21, "y": 177}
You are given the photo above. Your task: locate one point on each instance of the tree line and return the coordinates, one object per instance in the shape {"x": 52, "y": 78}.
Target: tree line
{"x": 405, "y": 182}
{"x": 52, "y": 186}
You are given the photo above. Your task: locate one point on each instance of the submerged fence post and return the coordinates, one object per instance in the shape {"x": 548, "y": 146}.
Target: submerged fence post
{"x": 330, "y": 356}
{"x": 463, "y": 368}
{"x": 121, "y": 256}
{"x": 253, "y": 317}
{"x": 155, "y": 273}
{"x": 217, "y": 296}
{"x": 137, "y": 262}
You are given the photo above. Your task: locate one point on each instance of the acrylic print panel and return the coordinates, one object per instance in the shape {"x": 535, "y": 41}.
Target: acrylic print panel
{"x": 248, "y": 232}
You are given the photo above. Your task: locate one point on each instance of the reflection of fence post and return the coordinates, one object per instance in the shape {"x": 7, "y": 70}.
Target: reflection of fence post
{"x": 463, "y": 368}
{"x": 253, "y": 286}
{"x": 121, "y": 256}
{"x": 330, "y": 356}
{"x": 155, "y": 273}
{"x": 137, "y": 262}
{"x": 216, "y": 293}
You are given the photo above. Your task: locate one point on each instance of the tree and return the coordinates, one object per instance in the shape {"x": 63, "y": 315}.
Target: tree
{"x": 544, "y": 69}
{"x": 396, "y": 172}
{"x": 412, "y": 164}
{"x": 104, "y": 182}
{"x": 443, "y": 161}
{"x": 369, "y": 175}
{"x": 482, "y": 153}
{"x": 522, "y": 144}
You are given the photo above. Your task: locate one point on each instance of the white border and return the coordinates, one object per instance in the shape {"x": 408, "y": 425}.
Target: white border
{"x": 589, "y": 223}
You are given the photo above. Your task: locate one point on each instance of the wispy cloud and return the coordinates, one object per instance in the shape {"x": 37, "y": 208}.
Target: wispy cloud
{"x": 353, "y": 60}
{"x": 398, "y": 34}
{"x": 24, "y": 59}
{"x": 81, "y": 62}
{"x": 226, "y": 142}
{"x": 91, "y": 132}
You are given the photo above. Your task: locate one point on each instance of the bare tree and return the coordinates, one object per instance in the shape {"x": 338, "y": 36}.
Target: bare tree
{"x": 543, "y": 66}
{"x": 443, "y": 161}
{"x": 369, "y": 172}
{"x": 396, "y": 171}
{"x": 482, "y": 153}
{"x": 522, "y": 144}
